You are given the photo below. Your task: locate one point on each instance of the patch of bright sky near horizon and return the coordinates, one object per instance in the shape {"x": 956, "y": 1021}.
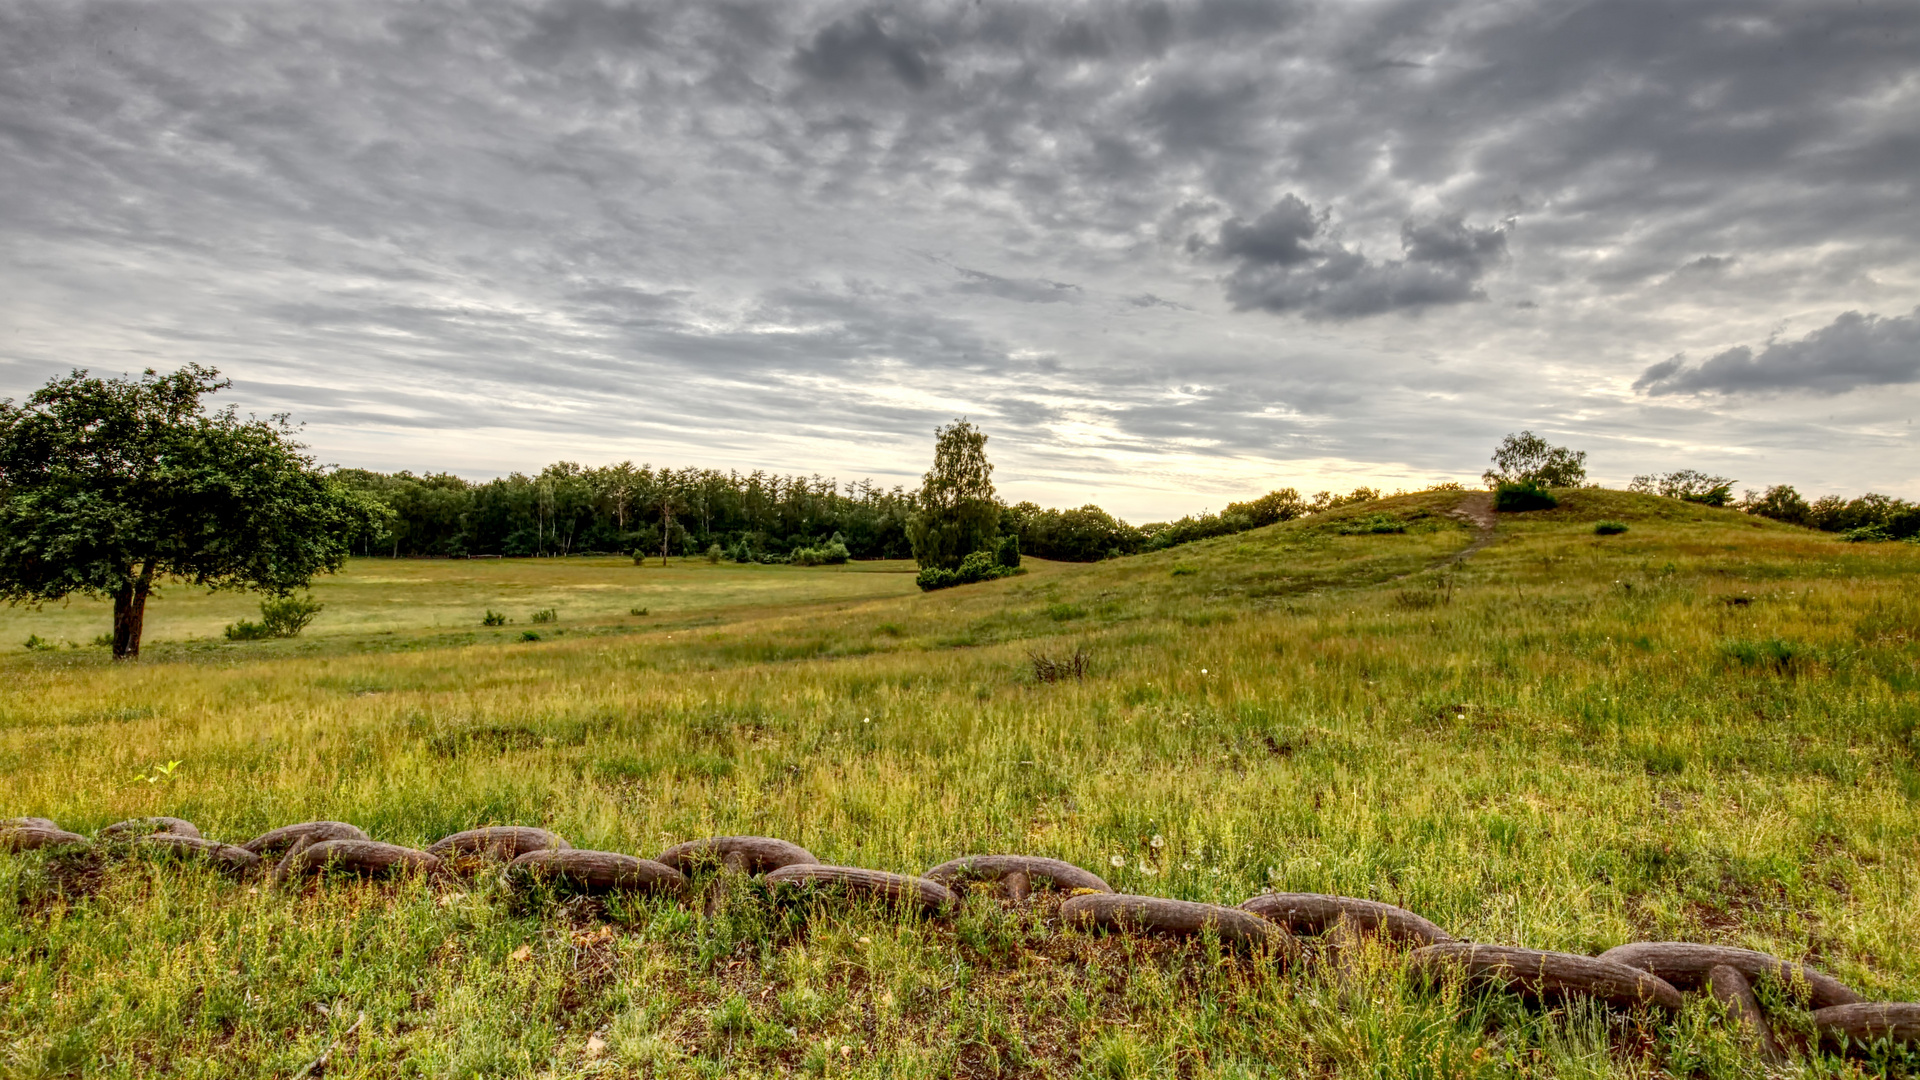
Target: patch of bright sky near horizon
{"x": 1167, "y": 255}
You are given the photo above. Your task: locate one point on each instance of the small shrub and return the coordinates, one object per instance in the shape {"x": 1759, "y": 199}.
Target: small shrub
{"x": 545, "y": 615}
{"x": 1773, "y": 652}
{"x": 104, "y": 641}
{"x": 280, "y": 617}
{"x": 1184, "y": 571}
{"x": 493, "y": 618}
{"x": 832, "y": 553}
{"x": 1048, "y": 669}
{"x": 1063, "y": 612}
{"x": 529, "y": 635}
{"x": 1007, "y": 552}
{"x": 1867, "y": 534}
{"x": 979, "y": 566}
{"x": 1417, "y": 599}
{"x": 1371, "y": 524}
{"x": 637, "y": 611}
{"x": 286, "y": 616}
{"x": 39, "y": 644}
{"x": 714, "y": 553}
{"x": 1521, "y": 497}
{"x": 1609, "y": 528}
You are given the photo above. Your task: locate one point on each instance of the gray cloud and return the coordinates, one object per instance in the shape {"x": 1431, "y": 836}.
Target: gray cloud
{"x": 1287, "y": 264}
{"x": 798, "y": 234}
{"x": 1852, "y": 352}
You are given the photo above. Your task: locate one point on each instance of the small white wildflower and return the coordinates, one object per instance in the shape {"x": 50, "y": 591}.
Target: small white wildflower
{"x": 866, "y": 720}
{"x": 1117, "y": 861}
{"x": 1203, "y": 671}
{"x": 1147, "y": 870}
{"x": 1186, "y": 866}
{"x": 1158, "y": 841}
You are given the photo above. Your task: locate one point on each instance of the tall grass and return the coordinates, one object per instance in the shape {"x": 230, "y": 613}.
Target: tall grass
{"x": 1705, "y": 728}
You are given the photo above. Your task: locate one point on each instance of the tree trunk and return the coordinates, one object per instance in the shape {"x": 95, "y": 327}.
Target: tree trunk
{"x": 129, "y": 613}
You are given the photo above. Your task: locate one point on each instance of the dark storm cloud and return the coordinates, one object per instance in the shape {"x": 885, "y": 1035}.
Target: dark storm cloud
{"x": 1851, "y": 352}
{"x": 753, "y": 219}
{"x": 1286, "y": 264}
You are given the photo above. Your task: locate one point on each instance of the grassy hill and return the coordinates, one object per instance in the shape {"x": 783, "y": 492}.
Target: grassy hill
{"x": 1705, "y": 728}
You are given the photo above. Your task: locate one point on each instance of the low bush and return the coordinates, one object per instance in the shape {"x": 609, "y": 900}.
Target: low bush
{"x": 1609, "y": 528}
{"x": 1867, "y": 534}
{"x": 493, "y": 618}
{"x": 637, "y": 611}
{"x": 831, "y": 553}
{"x": 979, "y": 566}
{"x": 529, "y": 635}
{"x": 1371, "y": 524}
{"x": 280, "y": 617}
{"x": 38, "y": 643}
{"x": 1520, "y": 497}
{"x": 1059, "y": 669}
{"x": 545, "y": 615}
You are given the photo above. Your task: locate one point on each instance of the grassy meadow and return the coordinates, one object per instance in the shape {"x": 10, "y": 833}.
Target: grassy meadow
{"x": 1706, "y": 728}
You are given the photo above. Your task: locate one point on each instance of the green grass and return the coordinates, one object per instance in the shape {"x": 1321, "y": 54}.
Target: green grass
{"x": 1705, "y": 728}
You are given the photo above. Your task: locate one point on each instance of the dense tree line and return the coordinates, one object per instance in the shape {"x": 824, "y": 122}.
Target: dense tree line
{"x": 569, "y": 509}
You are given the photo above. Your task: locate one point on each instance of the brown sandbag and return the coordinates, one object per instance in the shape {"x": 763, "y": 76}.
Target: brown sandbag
{"x": 1314, "y": 913}
{"x": 598, "y": 871}
{"x": 1867, "y": 1022}
{"x": 290, "y": 836}
{"x": 369, "y": 858}
{"x": 30, "y": 838}
{"x": 1155, "y": 914}
{"x": 134, "y": 828}
{"x": 502, "y": 842}
{"x": 1735, "y": 994}
{"x": 899, "y": 888}
{"x": 228, "y": 856}
{"x": 29, "y": 823}
{"x": 747, "y": 854}
{"x": 993, "y": 868}
{"x": 1685, "y": 965}
{"x": 1555, "y": 975}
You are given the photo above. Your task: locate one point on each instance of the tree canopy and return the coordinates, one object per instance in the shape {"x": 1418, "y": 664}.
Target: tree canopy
{"x": 108, "y": 486}
{"x": 1526, "y": 458}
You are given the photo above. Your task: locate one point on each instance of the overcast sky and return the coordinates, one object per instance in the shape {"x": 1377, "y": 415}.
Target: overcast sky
{"x": 1166, "y": 254}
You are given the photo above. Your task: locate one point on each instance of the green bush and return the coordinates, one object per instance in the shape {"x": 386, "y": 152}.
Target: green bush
{"x": 832, "y": 553}
{"x": 637, "y": 611}
{"x": 1007, "y": 552}
{"x": 38, "y": 643}
{"x": 979, "y": 566}
{"x": 493, "y": 618}
{"x": 1371, "y": 524}
{"x": 1867, "y": 534}
{"x": 280, "y": 617}
{"x": 714, "y": 553}
{"x": 1609, "y": 528}
{"x": 545, "y": 615}
{"x": 529, "y": 635}
{"x": 1520, "y": 497}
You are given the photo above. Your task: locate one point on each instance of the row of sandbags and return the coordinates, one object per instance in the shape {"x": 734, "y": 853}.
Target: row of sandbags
{"x": 1649, "y": 974}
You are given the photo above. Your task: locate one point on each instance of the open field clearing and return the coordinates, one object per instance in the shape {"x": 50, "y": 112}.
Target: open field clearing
{"x": 442, "y": 601}
{"x": 1704, "y": 729}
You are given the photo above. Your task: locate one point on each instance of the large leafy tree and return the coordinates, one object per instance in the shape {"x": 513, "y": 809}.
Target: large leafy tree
{"x": 1527, "y": 458}
{"x": 956, "y": 513}
{"x": 110, "y": 486}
